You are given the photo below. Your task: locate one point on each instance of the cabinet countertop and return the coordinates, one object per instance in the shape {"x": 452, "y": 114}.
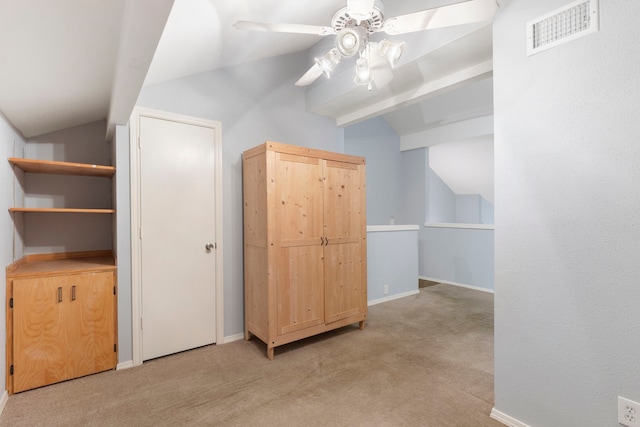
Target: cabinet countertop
{"x": 42, "y": 267}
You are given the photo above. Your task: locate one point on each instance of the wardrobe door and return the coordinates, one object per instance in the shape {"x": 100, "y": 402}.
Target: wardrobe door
{"x": 299, "y": 242}
{"x": 345, "y": 288}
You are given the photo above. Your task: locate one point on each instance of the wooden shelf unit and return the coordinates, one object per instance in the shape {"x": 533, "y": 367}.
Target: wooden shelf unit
{"x": 62, "y": 168}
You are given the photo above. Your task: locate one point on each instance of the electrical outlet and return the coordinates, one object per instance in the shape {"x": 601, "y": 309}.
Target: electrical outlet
{"x": 386, "y": 289}
{"x": 628, "y": 412}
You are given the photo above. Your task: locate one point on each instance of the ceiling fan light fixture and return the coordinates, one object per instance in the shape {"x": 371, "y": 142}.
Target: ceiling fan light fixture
{"x": 329, "y": 61}
{"x": 351, "y": 40}
{"x": 391, "y": 51}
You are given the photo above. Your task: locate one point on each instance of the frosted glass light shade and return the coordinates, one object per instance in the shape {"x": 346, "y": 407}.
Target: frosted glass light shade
{"x": 391, "y": 51}
{"x": 363, "y": 72}
{"x": 329, "y": 61}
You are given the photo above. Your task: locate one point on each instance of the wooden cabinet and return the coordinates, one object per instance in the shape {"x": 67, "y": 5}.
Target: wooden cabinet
{"x": 61, "y": 318}
{"x": 304, "y": 242}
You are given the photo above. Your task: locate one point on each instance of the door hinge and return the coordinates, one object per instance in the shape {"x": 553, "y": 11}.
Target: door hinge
{"x": 11, "y": 303}
{"x": 114, "y": 290}
{"x": 140, "y": 233}
{"x": 11, "y": 370}
{"x": 138, "y": 143}
{"x": 115, "y": 346}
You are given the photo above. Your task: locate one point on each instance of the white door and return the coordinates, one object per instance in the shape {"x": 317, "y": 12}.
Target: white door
{"x": 177, "y": 218}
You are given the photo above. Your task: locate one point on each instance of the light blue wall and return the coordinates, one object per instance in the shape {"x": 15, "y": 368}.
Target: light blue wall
{"x": 442, "y": 201}
{"x": 567, "y": 174}
{"x": 468, "y": 208}
{"x": 8, "y": 138}
{"x": 122, "y": 243}
{"x": 254, "y": 102}
{"x": 473, "y": 209}
{"x": 486, "y": 211}
{"x": 392, "y": 260}
{"x": 460, "y": 256}
{"x": 414, "y": 189}
{"x": 375, "y": 140}
{"x": 45, "y": 233}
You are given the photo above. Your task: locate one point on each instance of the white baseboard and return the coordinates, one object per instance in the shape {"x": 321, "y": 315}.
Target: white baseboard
{"x": 392, "y": 297}
{"x": 506, "y": 419}
{"x": 462, "y": 285}
{"x": 232, "y": 338}
{"x": 3, "y": 401}
{"x": 125, "y": 365}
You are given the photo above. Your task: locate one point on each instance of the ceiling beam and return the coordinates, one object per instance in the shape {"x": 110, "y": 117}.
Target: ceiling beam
{"x": 142, "y": 26}
{"x": 427, "y": 90}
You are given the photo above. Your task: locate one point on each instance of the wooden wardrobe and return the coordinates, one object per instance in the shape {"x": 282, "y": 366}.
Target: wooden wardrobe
{"x": 305, "y": 269}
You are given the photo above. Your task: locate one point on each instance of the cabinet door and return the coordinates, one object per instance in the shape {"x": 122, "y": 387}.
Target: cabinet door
{"x": 298, "y": 236}
{"x": 345, "y": 290}
{"x": 39, "y": 332}
{"x": 91, "y": 323}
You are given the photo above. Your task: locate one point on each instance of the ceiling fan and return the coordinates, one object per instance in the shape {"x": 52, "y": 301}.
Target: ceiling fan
{"x": 353, "y": 24}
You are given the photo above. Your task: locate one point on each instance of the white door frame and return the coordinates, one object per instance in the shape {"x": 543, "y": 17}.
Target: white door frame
{"x": 136, "y": 248}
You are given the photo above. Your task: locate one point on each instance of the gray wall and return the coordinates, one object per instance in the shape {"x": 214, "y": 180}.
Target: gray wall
{"x": 254, "y": 103}
{"x": 8, "y": 138}
{"x": 375, "y": 140}
{"x": 567, "y": 168}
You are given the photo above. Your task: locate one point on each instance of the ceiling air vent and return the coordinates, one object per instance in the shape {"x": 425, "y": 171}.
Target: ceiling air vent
{"x": 574, "y": 20}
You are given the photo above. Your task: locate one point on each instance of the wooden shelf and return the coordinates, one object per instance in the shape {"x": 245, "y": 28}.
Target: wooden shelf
{"x": 62, "y": 168}
{"x": 63, "y": 210}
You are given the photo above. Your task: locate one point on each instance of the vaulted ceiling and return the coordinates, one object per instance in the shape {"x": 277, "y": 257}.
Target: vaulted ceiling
{"x": 65, "y": 63}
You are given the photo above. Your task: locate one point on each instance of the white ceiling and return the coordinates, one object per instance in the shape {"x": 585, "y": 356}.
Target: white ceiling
{"x": 68, "y": 62}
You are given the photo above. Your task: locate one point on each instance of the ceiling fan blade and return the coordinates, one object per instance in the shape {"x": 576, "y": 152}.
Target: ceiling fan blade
{"x": 360, "y": 9}
{"x": 446, "y": 16}
{"x": 381, "y": 72}
{"x": 310, "y": 76}
{"x": 284, "y": 28}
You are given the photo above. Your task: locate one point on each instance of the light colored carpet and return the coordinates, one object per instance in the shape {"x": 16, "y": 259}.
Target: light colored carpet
{"x": 423, "y": 360}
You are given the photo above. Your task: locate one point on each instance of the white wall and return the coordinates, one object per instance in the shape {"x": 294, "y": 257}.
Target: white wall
{"x": 567, "y": 298}
{"x": 254, "y": 102}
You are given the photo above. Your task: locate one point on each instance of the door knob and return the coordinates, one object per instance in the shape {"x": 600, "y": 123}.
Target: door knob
{"x": 209, "y": 246}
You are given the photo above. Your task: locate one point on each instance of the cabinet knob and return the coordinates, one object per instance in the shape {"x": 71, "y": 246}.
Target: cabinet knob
{"x": 209, "y": 246}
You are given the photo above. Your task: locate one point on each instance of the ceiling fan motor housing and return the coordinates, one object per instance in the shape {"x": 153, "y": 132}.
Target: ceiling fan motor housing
{"x": 342, "y": 19}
